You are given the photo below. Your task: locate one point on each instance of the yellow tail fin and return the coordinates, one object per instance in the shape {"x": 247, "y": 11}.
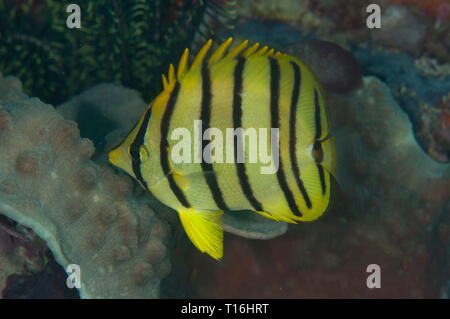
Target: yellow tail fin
{"x": 204, "y": 228}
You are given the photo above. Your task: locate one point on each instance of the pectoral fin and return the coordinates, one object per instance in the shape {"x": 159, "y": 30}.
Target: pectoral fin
{"x": 204, "y": 229}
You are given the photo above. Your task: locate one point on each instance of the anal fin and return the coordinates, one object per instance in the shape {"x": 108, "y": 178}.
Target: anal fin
{"x": 278, "y": 218}
{"x": 204, "y": 229}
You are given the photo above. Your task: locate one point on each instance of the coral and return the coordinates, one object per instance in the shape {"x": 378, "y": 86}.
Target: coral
{"x": 435, "y": 129}
{"x": 10, "y": 89}
{"x": 337, "y": 68}
{"x": 85, "y": 213}
{"x": 124, "y": 41}
{"x": 293, "y": 12}
{"x": 105, "y": 98}
{"x": 400, "y": 29}
{"x": 430, "y": 67}
{"x": 435, "y": 8}
{"x": 391, "y": 210}
{"x": 21, "y": 251}
{"x": 48, "y": 283}
{"x": 415, "y": 87}
{"x": 104, "y": 112}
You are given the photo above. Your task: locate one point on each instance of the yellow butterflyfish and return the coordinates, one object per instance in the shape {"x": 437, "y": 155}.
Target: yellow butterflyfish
{"x": 239, "y": 104}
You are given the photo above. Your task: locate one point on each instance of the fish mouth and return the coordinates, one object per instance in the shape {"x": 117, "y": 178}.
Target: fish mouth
{"x": 115, "y": 156}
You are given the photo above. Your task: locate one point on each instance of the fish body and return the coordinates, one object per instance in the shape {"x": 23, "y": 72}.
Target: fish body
{"x": 257, "y": 90}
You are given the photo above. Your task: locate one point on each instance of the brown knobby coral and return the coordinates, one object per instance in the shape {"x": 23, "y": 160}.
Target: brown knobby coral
{"x": 86, "y": 213}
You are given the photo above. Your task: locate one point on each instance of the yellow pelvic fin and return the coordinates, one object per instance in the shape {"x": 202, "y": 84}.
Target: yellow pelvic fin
{"x": 204, "y": 229}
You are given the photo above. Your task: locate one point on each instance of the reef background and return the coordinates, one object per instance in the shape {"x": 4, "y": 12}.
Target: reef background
{"x": 388, "y": 91}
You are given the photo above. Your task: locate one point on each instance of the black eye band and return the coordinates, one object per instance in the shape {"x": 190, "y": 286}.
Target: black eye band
{"x": 135, "y": 147}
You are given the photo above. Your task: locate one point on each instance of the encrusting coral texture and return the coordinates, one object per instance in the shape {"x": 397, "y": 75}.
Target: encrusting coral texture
{"x": 84, "y": 212}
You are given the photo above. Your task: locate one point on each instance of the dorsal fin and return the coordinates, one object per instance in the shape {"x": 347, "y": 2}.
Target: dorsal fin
{"x": 165, "y": 83}
{"x": 250, "y": 50}
{"x": 261, "y": 51}
{"x": 183, "y": 63}
{"x": 201, "y": 55}
{"x": 171, "y": 74}
{"x": 238, "y": 49}
{"x": 219, "y": 54}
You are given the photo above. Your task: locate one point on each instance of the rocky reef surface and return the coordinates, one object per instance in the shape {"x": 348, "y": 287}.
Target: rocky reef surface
{"x": 85, "y": 213}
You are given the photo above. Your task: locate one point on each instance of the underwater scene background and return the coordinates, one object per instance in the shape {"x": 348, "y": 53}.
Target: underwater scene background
{"x": 68, "y": 95}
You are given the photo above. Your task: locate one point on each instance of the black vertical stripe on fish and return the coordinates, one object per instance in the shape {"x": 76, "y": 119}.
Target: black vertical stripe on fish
{"x": 164, "y": 144}
{"x": 293, "y": 132}
{"x": 275, "y": 123}
{"x": 135, "y": 148}
{"x": 237, "y": 123}
{"x": 205, "y": 116}
{"x": 322, "y": 178}
{"x": 318, "y": 134}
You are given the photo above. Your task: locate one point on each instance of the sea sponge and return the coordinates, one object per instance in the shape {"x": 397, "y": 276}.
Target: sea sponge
{"x": 86, "y": 213}
{"x": 401, "y": 29}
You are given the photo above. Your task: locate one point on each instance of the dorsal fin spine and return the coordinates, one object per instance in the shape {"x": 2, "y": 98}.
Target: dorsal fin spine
{"x": 182, "y": 64}
{"x": 201, "y": 55}
{"x": 171, "y": 75}
{"x": 250, "y": 50}
{"x": 164, "y": 81}
{"x": 241, "y": 49}
{"x": 269, "y": 53}
{"x": 218, "y": 54}
{"x": 260, "y": 51}
{"x": 238, "y": 49}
